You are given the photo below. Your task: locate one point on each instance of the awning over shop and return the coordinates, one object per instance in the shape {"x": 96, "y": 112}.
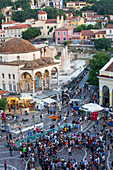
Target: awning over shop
{"x": 49, "y": 100}
{"x": 26, "y": 98}
{"x": 91, "y": 107}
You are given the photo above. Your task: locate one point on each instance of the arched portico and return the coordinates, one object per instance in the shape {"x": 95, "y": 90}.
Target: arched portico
{"x": 26, "y": 82}
{"x": 46, "y": 79}
{"x": 38, "y": 80}
{"x": 106, "y": 96}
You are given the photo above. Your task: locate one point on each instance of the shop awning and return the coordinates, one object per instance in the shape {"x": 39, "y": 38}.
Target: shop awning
{"x": 49, "y": 100}
{"x": 26, "y": 98}
{"x": 91, "y": 107}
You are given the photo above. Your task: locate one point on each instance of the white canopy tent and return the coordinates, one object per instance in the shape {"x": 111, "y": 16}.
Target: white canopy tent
{"x": 91, "y": 107}
{"x": 49, "y": 100}
{"x": 26, "y": 98}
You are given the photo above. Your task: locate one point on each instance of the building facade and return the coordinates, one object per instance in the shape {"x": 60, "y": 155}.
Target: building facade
{"x": 106, "y": 84}
{"x": 23, "y": 68}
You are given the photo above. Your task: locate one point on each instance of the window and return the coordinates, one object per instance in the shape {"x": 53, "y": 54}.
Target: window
{"x": 13, "y": 76}
{"x": 0, "y": 58}
{"x": 98, "y": 36}
{"x": 25, "y": 75}
{"x": 47, "y": 27}
{"x": 110, "y": 31}
{"x": 48, "y": 33}
{"x": 64, "y": 33}
{"x": 64, "y": 39}
{"x": 58, "y": 33}
{"x": 76, "y": 25}
{"x": 69, "y": 39}
{"x": 14, "y": 87}
{"x": 25, "y": 86}
{"x": 10, "y": 87}
{"x": 55, "y": 26}
{"x": 9, "y": 76}
{"x": 3, "y": 75}
{"x": 4, "y": 86}
{"x": 18, "y": 58}
{"x": 58, "y": 40}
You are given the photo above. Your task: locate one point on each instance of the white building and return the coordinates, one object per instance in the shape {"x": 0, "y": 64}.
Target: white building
{"x": 109, "y": 32}
{"x": 45, "y": 24}
{"x": 24, "y": 68}
{"x": 16, "y": 31}
{"x": 9, "y": 24}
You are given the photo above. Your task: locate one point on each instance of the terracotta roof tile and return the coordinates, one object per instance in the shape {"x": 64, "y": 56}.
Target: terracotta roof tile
{"x": 10, "y": 22}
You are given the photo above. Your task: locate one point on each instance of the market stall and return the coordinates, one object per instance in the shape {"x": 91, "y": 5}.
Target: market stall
{"x": 25, "y": 101}
{"x": 92, "y": 110}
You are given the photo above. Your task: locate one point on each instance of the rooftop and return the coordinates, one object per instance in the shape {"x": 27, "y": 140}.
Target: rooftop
{"x": 17, "y": 45}
{"x": 109, "y": 26}
{"x": 110, "y": 67}
{"x": 86, "y": 32}
{"x": 19, "y": 26}
{"x": 10, "y": 22}
{"x": 42, "y": 12}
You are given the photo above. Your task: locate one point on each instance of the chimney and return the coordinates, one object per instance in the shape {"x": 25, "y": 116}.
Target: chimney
{"x": 58, "y": 19}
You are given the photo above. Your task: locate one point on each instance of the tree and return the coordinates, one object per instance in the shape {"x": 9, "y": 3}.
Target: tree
{"x": 67, "y": 43}
{"x": 81, "y": 27}
{"x": 103, "y": 7}
{"x": 51, "y": 29}
{"x": 102, "y": 43}
{"x": 98, "y": 61}
{"x": 31, "y": 33}
{"x": 52, "y": 12}
{"x": 25, "y": 4}
{"x": 1, "y": 17}
{"x": 5, "y": 3}
{"x": 90, "y": 26}
{"x": 3, "y": 104}
{"x": 21, "y": 16}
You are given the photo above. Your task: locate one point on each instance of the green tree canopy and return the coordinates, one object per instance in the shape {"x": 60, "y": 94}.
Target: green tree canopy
{"x": 3, "y": 104}
{"x": 5, "y": 3}
{"x": 1, "y": 17}
{"x": 31, "y": 33}
{"x": 98, "y": 61}
{"x": 51, "y": 29}
{"x": 25, "y": 4}
{"x": 52, "y": 12}
{"x": 103, "y": 7}
{"x": 21, "y": 16}
{"x": 81, "y": 27}
{"x": 102, "y": 43}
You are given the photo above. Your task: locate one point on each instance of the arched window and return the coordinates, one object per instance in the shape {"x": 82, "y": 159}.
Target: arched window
{"x": 10, "y": 87}
{"x": 13, "y": 76}
{"x": 14, "y": 87}
{"x": 18, "y": 58}
{"x": 9, "y": 76}
{"x": 4, "y": 86}
{"x": 3, "y": 75}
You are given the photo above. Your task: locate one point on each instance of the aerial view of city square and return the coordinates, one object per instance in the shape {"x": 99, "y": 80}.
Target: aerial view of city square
{"x": 56, "y": 85}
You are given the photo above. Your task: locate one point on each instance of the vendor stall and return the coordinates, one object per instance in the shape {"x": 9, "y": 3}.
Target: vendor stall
{"x": 92, "y": 110}
{"x": 25, "y": 101}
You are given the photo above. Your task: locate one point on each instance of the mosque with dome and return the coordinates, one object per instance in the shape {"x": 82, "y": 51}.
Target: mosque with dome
{"x": 25, "y": 68}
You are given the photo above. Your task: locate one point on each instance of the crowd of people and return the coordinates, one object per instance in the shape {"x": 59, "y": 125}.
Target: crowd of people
{"x": 47, "y": 148}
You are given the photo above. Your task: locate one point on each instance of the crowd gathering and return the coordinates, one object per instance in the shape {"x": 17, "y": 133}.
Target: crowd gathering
{"x": 48, "y": 146}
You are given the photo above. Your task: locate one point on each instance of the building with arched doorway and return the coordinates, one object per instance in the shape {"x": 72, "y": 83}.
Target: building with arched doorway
{"x": 106, "y": 84}
{"x": 23, "y": 68}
